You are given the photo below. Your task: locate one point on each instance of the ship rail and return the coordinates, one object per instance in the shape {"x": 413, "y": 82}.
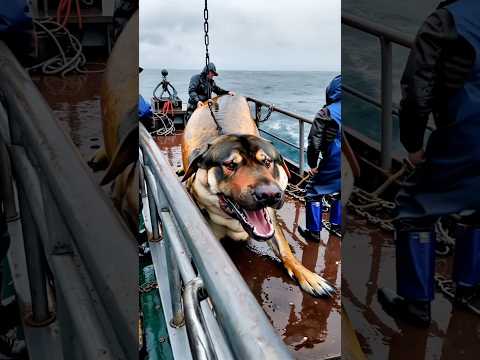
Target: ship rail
{"x": 387, "y": 38}
{"x": 216, "y": 316}
{"x": 78, "y": 301}
{"x": 258, "y": 104}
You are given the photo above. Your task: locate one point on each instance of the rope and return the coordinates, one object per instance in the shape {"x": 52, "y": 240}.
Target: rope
{"x": 64, "y": 10}
{"x": 219, "y": 128}
{"x": 61, "y": 63}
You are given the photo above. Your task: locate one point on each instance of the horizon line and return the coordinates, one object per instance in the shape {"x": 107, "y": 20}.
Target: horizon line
{"x": 259, "y": 70}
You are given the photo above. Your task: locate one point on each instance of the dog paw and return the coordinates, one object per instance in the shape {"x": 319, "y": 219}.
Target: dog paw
{"x": 310, "y": 282}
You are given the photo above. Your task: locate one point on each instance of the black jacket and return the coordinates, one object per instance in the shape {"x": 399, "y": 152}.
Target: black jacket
{"x": 201, "y": 88}
{"x": 323, "y": 131}
{"x": 439, "y": 63}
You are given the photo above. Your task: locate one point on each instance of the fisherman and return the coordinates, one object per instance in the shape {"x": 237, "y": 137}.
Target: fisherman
{"x": 324, "y": 158}
{"x": 201, "y": 88}
{"x": 442, "y": 77}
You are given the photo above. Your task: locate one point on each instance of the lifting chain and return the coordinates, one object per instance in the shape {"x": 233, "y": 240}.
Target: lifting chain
{"x": 206, "y": 37}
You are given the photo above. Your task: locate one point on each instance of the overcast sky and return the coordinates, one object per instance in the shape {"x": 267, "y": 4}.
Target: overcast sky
{"x": 244, "y": 34}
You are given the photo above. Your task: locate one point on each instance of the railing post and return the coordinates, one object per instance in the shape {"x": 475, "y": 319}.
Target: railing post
{"x": 386, "y": 99}
{"x": 35, "y": 263}
{"x": 301, "y": 142}
{"x": 175, "y": 283}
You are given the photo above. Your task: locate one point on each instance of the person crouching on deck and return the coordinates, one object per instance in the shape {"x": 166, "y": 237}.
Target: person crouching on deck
{"x": 201, "y": 88}
{"x": 324, "y": 158}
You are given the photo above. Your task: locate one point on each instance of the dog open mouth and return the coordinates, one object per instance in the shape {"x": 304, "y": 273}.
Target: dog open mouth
{"x": 257, "y": 223}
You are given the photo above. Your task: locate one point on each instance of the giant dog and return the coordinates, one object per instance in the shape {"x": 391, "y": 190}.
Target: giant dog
{"x": 238, "y": 179}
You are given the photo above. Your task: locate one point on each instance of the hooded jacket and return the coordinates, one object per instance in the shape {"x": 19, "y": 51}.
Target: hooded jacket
{"x": 438, "y": 65}
{"x": 201, "y": 88}
{"x": 326, "y": 123}
{"x": 325, "y": 139}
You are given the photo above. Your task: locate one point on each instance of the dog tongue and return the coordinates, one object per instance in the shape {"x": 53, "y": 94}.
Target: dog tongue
{"x": 257, "y": 219}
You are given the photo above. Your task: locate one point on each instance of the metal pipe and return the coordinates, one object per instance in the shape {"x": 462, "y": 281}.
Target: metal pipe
{"x": 245, "y": 324}
{"x": 281, "y": 111}
{"x": 89, "y": 330}
{"x": 279, "y": 139}
{"x": 386, "y": 91}
{"x": 95, "y": 231}
{"x": 198, "y": 335}
{"x": 378, "y": 30}
{"x": 6, "y": 184}
{"x": 35, "y": 262}
{"x": 301, "y": 153}
{"x": 175, "y": 283}
{"x": 153, "y": 213}
{"x": 367, "y": 98}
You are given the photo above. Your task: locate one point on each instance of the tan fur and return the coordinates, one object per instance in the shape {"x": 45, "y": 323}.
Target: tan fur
{"x": 235, "y": 118}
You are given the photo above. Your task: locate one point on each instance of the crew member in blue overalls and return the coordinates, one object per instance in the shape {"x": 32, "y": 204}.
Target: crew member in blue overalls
{"x": 324, "y": 158}
{"x": 442, "y": 77}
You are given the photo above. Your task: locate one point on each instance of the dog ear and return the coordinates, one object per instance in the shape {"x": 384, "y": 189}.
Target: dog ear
{"x": 194, "y": 160}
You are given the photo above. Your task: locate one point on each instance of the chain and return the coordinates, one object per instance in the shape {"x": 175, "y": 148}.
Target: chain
{"x": 146, "y": 288}
{"x": 206, "y": 37}
{"x": 269, "y": 113}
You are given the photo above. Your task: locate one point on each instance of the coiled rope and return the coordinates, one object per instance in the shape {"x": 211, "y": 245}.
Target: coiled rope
{"x": 69, "y": 58}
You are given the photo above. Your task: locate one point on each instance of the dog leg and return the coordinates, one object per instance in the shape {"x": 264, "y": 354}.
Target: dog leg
{"x": 311, "y": 282}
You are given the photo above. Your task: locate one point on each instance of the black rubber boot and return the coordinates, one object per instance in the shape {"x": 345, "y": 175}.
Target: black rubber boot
{"x": 415, "y": 312}
{"x": 308, "y": 235}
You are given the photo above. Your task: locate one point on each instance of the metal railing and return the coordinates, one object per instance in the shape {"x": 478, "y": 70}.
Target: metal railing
{"x": 387, "y": 37}
{"x": 222, "y": 317}
{"x": 63, "y": 232}
{"x": 301, "y": 129}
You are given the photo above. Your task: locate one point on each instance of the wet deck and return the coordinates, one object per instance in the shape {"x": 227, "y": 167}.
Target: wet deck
{"x": 454, "y": 333}
{"x": 75, "y": 102}
{"x": 309, "y": 326}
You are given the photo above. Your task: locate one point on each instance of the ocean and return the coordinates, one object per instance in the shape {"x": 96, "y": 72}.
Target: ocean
{"x": 301, "y": 92}
{"x": 361, "y": 61}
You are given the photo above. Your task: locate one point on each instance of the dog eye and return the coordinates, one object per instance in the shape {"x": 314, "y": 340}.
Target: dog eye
{"x": 230, "y": 165}
{"x": 267, "y": 163}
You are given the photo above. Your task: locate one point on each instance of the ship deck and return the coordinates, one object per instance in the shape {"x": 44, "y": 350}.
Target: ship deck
{"x": 309, "y": 326}
{"x": 454, "y": 333}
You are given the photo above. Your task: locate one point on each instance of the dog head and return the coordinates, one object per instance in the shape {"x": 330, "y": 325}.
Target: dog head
{"x": 242, "y": 175}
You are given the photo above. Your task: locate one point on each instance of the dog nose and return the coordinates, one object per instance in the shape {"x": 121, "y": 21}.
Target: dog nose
{"x": 268, "y": 194}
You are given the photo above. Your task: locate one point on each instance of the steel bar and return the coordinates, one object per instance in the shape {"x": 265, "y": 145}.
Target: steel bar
{"x": 301, "y": 153}
{"x": 198, "y": 335}
{"x": 367, "y": 98}
{"x": 378, "y": 30}
{"x": 89, "y": 331}
{"x": 6, "y": 184}
{"x": 281, "y": 111}
{"x": 95, "y": 231}
{"x": 280, "y": 139}
{"x": 175, "y": 282}
{"x": 246, "y": 326}
{"x": 35, "y": 262}
{"x": 153, "y": 213}
{"x": 386, "y": 91}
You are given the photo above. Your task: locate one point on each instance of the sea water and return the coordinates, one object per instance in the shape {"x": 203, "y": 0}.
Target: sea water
{"x": 300, "y": 92}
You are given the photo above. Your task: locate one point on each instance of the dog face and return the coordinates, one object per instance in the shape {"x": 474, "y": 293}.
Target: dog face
{"x": 238, "y": 177}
